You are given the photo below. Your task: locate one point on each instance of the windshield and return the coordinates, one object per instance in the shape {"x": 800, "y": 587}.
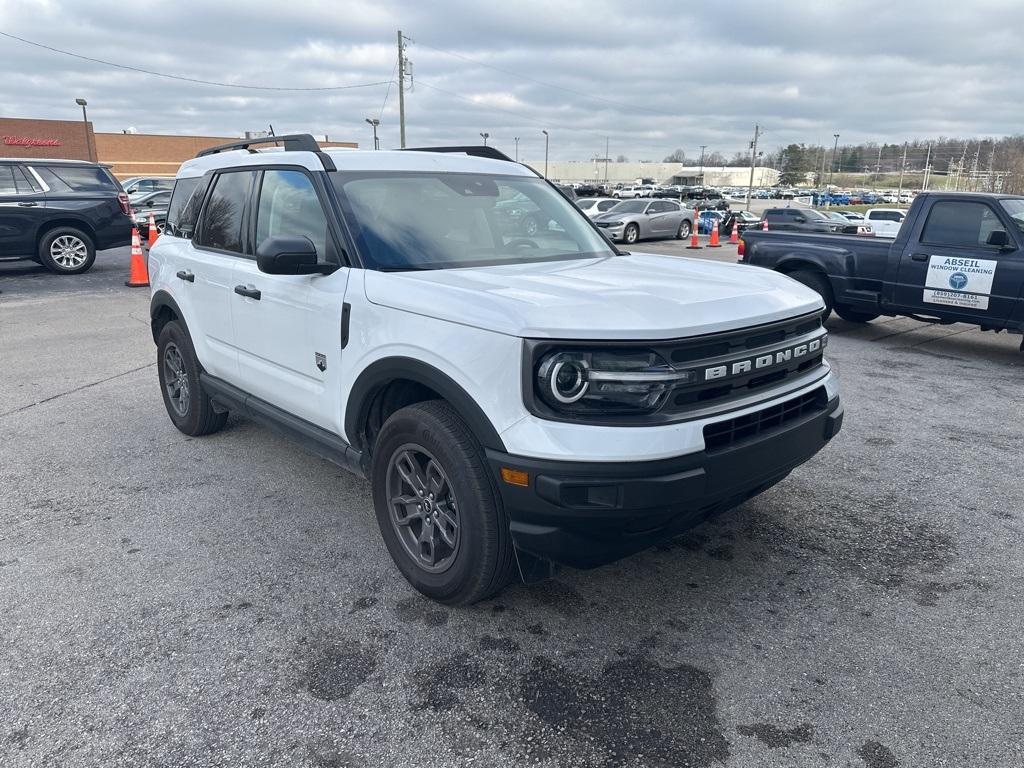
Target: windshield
{"x": 411, "y": 220}
{"x": 630, "y": 206}
{"x": 1015, "y": 209}
{"x": 815, "y": 215}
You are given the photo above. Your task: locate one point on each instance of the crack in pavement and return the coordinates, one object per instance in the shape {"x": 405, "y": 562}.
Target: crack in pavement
{"x": 76, "y": 389}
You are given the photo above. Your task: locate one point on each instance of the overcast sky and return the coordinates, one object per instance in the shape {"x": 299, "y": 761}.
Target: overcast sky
{"x": 651, "y": 76}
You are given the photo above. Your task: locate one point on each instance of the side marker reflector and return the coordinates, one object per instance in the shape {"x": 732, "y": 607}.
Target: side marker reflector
{"x": 515, "y": 477}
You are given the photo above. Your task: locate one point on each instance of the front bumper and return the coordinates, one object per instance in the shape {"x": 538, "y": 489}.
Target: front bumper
{"x": 586, "y": 514}
{"x": 615, "y": 233}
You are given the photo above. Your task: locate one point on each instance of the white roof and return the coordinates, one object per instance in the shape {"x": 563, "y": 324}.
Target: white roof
{"x": 355, "y": 160}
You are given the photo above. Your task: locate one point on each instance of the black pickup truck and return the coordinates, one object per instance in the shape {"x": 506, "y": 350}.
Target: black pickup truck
{"x": 958, "y": 258}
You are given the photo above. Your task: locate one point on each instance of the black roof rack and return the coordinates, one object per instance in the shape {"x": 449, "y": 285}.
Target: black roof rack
{"x": 479, "y": 151}
{"x": 294, "y": 142}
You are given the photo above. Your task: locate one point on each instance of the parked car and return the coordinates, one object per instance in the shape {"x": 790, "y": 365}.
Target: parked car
{"x": 154, "y": 203}
{"x": 633, "y": 220}
{"x": 846, "y": 226}
{"x": 853, "y": 216}
{"x": 744, "y": 221}
{"x": 514, "y": 402}
{"x": 628, "y": 192}
{"x": 799, "y": 220}
{"x": 141, "y": 185}
{"x": 958, "y": 258}
{"x": 885, "y": 222}
{"x": 60, "y": 212}
{"x": 592, "y": 206}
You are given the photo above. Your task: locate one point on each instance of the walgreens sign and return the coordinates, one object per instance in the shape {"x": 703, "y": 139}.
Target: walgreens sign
{"x": 24, "y": 141}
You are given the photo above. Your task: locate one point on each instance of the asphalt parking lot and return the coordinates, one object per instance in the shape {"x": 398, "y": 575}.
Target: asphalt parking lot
{"x": 227, "y": 601}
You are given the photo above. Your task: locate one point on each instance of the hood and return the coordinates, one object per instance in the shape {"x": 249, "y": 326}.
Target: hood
{"x": 614, "y": 216}
{"x": 641, "y": 296}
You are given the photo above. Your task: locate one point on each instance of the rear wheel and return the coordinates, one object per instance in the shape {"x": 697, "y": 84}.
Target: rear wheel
{"x": 684, "y": 230}
{"x": 67, "y": 251}
{"x": 438, "y": 511}
{"x": 854, "y": 315}
{"x": 187, "y": 403}
{"x": 819, "y": 283}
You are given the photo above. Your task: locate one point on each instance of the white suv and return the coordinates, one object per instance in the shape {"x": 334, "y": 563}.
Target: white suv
{"x": 516, "y": 400}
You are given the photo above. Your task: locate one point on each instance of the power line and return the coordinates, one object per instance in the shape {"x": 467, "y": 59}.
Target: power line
{"x": 187, "y": 79}
{"x": 546, "y": 84}
{"x": 387, "y": 93}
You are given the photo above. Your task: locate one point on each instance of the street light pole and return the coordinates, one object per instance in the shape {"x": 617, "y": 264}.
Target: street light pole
{"x": 85, "y": 122}
{"x": 700, "y": 174}
{"x": 546, "y": 137}
{"x": 485, "y": 136}
{"x": 605, "y": 159}
{"x": 517, "y": 148}
{"x": 832, "y": 165}
{"x": 753, "y": 160}
{"x": 374, "y": 122}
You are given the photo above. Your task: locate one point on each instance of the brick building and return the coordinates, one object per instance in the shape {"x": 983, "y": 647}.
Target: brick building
{"x": 128, "y": 154}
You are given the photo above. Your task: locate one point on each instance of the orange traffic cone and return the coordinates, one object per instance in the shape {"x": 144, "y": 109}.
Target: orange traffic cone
{"x": 138, "y": 274}
{"x": 714, "y": 235}
{"x": 735, "y": 236}
{"x": 694, "y": 242}
{"x": 764, "y": 224}
{"x": 153, "y": 234}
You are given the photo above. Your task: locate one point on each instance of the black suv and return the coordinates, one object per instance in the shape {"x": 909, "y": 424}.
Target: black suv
{"x": 801, "y": 220}
{"x": 59, "y": 212}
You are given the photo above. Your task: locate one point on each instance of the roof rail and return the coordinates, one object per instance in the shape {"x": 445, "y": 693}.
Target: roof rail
{"x": 479, "y": 151}
{"x": 294, "y": 142}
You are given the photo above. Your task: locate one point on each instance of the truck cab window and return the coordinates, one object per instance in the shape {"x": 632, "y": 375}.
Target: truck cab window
{"x": 959, "y": 223}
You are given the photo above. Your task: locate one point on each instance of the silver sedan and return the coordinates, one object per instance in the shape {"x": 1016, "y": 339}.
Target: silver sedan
{"x": 631, "y": 220}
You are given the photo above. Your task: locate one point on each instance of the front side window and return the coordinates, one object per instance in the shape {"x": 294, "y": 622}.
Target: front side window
{"x": 220, "y": 225}
{"x": 1015, "y": 210}
{"x": 414, "y": 220}
{"x": 289, "y": 206}
{"x": 958, "y": 223}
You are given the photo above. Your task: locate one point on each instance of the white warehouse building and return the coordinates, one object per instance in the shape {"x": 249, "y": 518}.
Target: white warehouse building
{"x": 662, "y": 173}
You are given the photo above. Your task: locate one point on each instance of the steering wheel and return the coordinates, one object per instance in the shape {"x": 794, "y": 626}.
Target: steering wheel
{"x": 520, "y": 242}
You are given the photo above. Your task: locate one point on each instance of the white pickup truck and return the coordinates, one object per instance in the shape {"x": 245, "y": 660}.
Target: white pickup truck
{"x": 516, "y": 400}
{"x": 885, "y": 222}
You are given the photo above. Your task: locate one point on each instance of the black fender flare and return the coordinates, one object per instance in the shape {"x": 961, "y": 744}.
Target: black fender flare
{"x": 160, "y": 300}
{"x": 381, "y": 372}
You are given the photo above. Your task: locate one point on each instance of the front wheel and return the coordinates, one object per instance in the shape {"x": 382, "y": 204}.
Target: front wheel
{"x": 437, "y": 509}
{"x": 854, "y": 315}
{"x": 631, "y": 234}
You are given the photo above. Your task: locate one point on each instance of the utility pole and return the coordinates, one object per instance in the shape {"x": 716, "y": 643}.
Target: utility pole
{"x": 700, "y": 174}
{"x": 605, "y": 159}
{"x": 903, "y": 168}
{"x": 991, "y": 183}
{"x": 974, "y": 168}
{"x": 927, "y": 168}
{"x": 832, "y": 165}
{"x": 753, "y": 159}
{"x": 960, "y": 167}
{"x": 516, "y": 139}
{"x": 878, "y": 165}
{"x": 401, "y": 87}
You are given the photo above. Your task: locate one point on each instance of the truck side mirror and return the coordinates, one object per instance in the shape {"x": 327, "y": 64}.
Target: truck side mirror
{"x": 998, "y": 238}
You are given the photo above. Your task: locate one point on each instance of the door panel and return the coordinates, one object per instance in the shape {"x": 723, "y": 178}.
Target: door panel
{"x": 22, "y": 210}
{"x": 206, "y": 303}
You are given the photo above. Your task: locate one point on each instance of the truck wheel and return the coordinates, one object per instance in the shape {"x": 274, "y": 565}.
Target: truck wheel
{"x": 819, "y": 283}
{"x": 186, "y": 401}
{"x": 854, "y": 315}
{"x": 632, "y": 233}
{"x": 67, "y": 251}
{"x": 437, "y": 508}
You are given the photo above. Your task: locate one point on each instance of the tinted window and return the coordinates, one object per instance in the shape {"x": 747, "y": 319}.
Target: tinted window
{"x": 289, "y": 206}
{"x": 220, "y": 226}
{"x": 659, "y": 208}
{"x": 162, "y": 199}
{"x": 183, "y": 209}
{"x": 25, "y": 182}
{"x": 604, "y": 205}
{"x": 959, "y": 223}
{"x": 62, "y": 178}
{"x": 775, "y": 215}
{"x": 7, "y": 185}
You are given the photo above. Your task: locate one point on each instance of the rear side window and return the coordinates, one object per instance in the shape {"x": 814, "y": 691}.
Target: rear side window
{"x": 220, "y": 226}
{"x": 186, "y": 200}
{"x": 77, "y": 178}
{"x": 959, "y": 223}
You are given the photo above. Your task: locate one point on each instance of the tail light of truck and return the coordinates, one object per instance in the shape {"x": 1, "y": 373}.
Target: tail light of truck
{"x": 122, "y": 200}
{"x": 741, "y": 250}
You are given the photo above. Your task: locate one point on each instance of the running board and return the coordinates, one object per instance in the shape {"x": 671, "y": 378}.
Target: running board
{"x": 324, "y": 444}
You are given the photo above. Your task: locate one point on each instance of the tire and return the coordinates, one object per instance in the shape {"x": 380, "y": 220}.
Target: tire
{"x": 474, "y": 560}
{"x": 67, "y": 251}
{"x": 631, "y": 234}
{"x": 819, "y": 283}
{"x": 191, "y": 411}
{"x": 854, "y": 315}
{"x": 684, "y": 230}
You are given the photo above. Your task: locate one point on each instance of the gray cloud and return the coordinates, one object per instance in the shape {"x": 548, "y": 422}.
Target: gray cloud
{"x": 650, "y": 76}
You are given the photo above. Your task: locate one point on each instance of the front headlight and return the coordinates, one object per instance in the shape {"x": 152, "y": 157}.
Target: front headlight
{"x": 615, "y": 223}
{"x": 607, "y": 382}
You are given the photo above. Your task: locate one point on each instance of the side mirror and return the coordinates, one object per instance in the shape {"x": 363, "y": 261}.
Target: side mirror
{"x": 290, "y": 255}
{"x": 998, "y": 238}
{"x": 800, "y": 219}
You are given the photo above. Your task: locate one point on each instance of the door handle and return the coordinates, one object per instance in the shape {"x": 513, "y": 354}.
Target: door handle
{"x": 28, "y": 204}
{"x": 252, "y": 293}
{"x": 187, "y": 276}
{"x": 919, "y": 256}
